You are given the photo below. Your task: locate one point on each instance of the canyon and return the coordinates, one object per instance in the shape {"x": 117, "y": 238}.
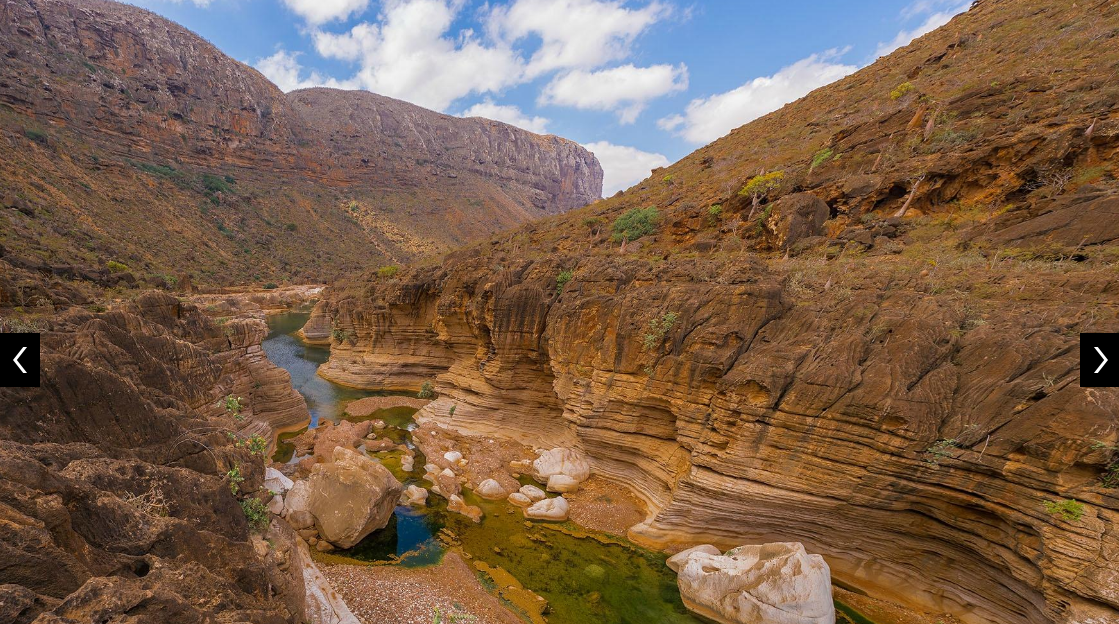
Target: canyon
{"x": 876, "y": 356}
{"x": 847, "y": 330}
{"x": 111, "y": 115}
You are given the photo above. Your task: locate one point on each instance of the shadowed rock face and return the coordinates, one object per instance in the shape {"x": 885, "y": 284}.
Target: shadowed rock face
{"x": 117, "y": 114}
{"x": 112, "y": 473}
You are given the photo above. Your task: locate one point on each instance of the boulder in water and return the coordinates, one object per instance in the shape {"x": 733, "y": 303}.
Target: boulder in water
{"x": 533, "y": 493}
{"x": 351, "y": 497}
{"x": 678, "y": 560}
{"x": 520, "y": 500}
{"x": 458, "y": 505}
{"x": 775, "y": 583}
{"x": 414, "y": 496}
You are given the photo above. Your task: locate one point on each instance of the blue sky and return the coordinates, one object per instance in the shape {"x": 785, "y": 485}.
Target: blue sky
{"x": 641, "y": 82}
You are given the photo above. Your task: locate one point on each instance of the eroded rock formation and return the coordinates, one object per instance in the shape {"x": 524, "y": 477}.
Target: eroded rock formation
{"x": 113, "y": 475}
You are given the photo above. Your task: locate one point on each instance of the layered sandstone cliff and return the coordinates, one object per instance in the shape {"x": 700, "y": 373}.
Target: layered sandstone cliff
{"x": 113, "y": 475}
{"x": 896, "y": 387}
{"x": 173, "y": 155}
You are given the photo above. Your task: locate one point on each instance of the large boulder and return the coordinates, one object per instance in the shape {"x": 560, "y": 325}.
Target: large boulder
{"x": 773, "y": 583}
{"x": 533, "y": 493}
{"x": 561, "y": 461}
{"x": 351, "y": 497}
{"x": 562, "y": 483}
{"x": 677, "y": 561}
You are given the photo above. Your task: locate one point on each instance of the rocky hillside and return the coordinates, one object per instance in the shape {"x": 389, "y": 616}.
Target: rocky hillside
{"x": 133, "y": 141}
{"x": 128, "y": 481}
{"x": 873, "y": 350}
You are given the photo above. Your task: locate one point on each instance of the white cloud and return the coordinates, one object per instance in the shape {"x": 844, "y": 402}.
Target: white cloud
{"x": 922, "y": 7}
{"x": 623, "y": 166}
{"x": 508, "y": 114}
{"x": 934, "y": 21}
{"x": 408, "y": 55}
{"x": 624, "y": 89}
{"x": 574, "y": 33}
{"x": 283, "y": 69}
{"x": 707, "y": 119}
{"x": 322, "y": 11}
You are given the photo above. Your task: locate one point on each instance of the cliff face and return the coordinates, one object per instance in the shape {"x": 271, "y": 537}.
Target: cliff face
{"x": 113, "y": 478}
{"x": 879, "y": 359}
{"x": 374, "y": 136}
{"x": 171, "y": 154}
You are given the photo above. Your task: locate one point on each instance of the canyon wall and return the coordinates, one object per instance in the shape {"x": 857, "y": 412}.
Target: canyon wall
{"x": 876, "y": 355}
{"x": 172, "y": 155}
{"x": 113, "y": 475}
{"x": 769, "y": 415}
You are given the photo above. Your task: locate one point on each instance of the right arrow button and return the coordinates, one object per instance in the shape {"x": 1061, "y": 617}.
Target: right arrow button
{"x": 1094, "y": 371}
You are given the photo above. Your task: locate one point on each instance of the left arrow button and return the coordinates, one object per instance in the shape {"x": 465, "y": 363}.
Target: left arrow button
{"x": 19, "y": 360}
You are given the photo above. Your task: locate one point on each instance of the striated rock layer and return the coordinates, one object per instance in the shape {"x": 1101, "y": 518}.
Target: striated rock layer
{"x": 113, "y": 475}
{"x": 897, "y": 387}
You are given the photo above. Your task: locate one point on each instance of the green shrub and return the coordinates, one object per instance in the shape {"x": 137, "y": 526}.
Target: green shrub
{"x": 714, "y": 213}
{"x": 233, "y": 407}
{"x": 667, "y": 179}
{"x": 562, "y": 279}
{"x": 37, "y": 136}
{"x": 271, "y": 286}
{"x": 821, "y": 157}
{"x": 658, "y": 328}
{"x": 388, "y": 272}
{"x": 940, "y": 449}
{"x": 235, "y": 478}
{"x": 256, "y": 512}
{"x": 636, "y": 223}
{"x": 901, "y": 90}
{"x": 291, "y": 227}
{"x": 341, "y": 335}
{"x": 213, "y": 184}
{"x": 427, "y": 391}
{"x": 762, "y": 185}
{"x": 451, "y": 412}
{"x": 116, "y": 267}
{"x": 1110, "y": 477}
{"x": 1068, "y": 510}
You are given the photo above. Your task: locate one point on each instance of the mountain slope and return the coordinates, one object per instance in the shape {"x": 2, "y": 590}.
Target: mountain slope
{"x": 878, "y": 357}
{"x": 133, "y": 140}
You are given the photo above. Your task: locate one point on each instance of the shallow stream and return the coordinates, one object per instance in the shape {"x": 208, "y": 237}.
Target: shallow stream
{"x": 586, "y": 577}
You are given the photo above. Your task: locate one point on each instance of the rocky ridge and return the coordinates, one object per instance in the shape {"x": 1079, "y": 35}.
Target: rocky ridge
{"x": 126, "y": 481}
{"x": 111, "y": 114}
{"x": 896, "y": 386}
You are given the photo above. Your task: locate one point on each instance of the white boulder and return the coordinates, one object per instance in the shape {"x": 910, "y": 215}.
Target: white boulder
{"x": 452, "y": 456}
{"x": 548, "y": 509}
{"x": 276, "y": 481}
{"x": 520, "y": 500}
{"x": 775, "y": 583}
{"x": 490, "y": 489}
{"x": 562, "y": 461}
{"x": 533, "y": 493}
{"x": 678, "y": 560}
{"x": 562, "y": 483}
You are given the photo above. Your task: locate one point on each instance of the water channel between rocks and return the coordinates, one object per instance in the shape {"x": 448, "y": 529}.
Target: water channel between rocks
{"x": 585, "y": 576}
